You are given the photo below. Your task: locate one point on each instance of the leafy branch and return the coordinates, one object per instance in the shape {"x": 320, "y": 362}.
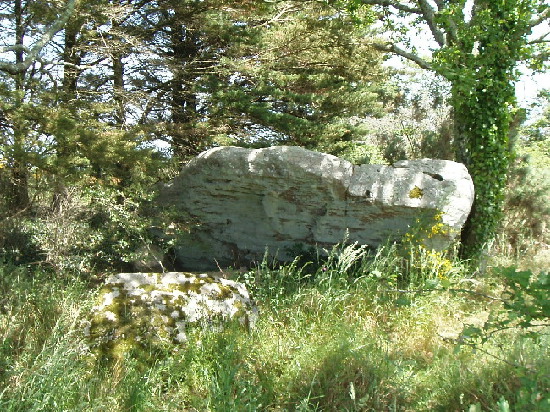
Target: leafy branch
{"x": 525, "y": 306}
{"x": 390, "y": 47}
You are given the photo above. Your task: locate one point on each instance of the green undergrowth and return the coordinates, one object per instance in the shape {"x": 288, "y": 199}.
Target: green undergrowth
{"x": 360, "y": 331}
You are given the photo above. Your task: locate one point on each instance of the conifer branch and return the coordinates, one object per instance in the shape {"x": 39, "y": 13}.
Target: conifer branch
{"x": 33, "y": 52}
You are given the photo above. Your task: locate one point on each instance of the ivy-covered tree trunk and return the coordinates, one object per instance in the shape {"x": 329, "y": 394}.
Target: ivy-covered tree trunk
{"x": 481, "y": 143}
{"x": 481, "y": 65}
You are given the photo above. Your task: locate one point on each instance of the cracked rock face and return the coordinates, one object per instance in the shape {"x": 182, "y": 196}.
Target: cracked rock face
{"x": 242, "y": 201}
{"x": 144, "y": 309}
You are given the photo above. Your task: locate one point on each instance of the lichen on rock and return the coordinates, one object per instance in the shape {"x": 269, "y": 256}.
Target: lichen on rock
{"x": 416, "y": 193}
{"x": 148, "y": 310}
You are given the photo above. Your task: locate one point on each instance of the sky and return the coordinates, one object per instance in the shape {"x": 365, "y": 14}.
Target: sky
{"x": 531, "y": 84}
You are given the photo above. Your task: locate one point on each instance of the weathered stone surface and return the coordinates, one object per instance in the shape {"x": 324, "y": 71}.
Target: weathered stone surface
{"x": 243, "y": 201}
{"x": 149, "y": 258}
{"x": 157, "y": 308}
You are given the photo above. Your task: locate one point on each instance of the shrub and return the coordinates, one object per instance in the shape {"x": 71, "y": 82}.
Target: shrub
{"x": 524, "y": 230}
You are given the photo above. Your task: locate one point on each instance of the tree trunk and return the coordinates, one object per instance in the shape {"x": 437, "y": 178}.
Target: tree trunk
{"x": 184, "y": 102}
{"x": 118, "y": 89}
{"x": 71, "y": 72}
{"x": 71, "y": 60}
{"x": 18, "y": 185}
{"x": 481, "y": 142}
{"x": 118, "y": 79}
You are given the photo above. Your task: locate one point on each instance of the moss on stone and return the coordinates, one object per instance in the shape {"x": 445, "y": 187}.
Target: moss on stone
{"x": 144, "y": 311}
{"x": 416, "y": 193}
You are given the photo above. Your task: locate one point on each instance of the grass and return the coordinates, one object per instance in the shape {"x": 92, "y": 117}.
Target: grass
{"x": 357, "y": 333}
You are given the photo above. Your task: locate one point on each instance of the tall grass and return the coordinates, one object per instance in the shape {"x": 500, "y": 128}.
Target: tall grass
{"x": 355, "y": 332}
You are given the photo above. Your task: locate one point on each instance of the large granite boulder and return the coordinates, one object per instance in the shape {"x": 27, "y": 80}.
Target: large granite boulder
{"x": 238, "y": 202}
{"x": 155, "y": 310}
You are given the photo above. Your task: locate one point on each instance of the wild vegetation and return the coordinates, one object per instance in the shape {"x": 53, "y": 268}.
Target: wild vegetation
{"x": 103, "y": 100}
{"x": 358, "y": 332}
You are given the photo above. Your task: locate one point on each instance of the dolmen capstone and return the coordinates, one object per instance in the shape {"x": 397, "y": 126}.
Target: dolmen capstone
{"x": 140, "y": 311}
{"x": 241, "y": 202}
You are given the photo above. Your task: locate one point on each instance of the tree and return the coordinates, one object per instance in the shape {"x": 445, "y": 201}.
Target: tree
{"x": 64, "y": 133}
{"x": 175, "y": 43}
{"x": 30, "y": 27}
{"x": 233, "y": 72}
{"x": 477, "y": 47}
{"x": 63, "y": 115}
{"x": 303, "y": 73}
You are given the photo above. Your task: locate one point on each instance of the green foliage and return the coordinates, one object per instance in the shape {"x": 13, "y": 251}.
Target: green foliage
{"x": 525, "y": 306}
{"x": 119, "y": 224}
{"x": 527, "y": 300}
{"x": 524, "y": 228}
{"x": 300, "y": 79}
{"x": 359, "y": 152}
{"x": 95, "y": 225}
{"x": 539, "y": 130}
{"x": 417, "y": 119}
